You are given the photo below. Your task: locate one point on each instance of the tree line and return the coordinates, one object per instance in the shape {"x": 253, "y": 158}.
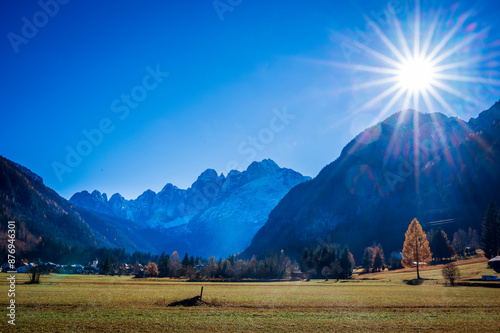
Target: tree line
{"x": 271, "y": 267}
{"x": 325, "y": 260}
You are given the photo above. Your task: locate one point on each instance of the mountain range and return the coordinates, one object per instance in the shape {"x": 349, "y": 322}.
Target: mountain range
{"x": 217, "y": 215}
{"x": 442, "y": 170}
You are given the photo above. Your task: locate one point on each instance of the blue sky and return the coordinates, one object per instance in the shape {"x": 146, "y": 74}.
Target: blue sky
{"x": 247, "y": 80}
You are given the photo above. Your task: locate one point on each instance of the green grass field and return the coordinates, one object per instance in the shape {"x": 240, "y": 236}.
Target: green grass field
{"x": 371, "y": 302}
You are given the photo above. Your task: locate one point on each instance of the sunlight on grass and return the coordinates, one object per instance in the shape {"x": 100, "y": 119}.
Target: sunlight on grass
{"x": 121, "y": 304}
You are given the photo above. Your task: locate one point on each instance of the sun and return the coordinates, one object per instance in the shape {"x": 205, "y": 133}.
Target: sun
{"x": 423, "y": 65}
{"x": 415, "y": 74}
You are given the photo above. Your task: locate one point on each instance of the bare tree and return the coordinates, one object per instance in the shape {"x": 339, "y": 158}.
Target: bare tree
{"x": 451, "y": 273}
{"x": 34, "y": 274}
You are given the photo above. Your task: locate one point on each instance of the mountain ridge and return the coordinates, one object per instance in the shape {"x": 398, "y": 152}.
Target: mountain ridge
{"x": 237, "y": 204}
{"x": 410, "y": 164}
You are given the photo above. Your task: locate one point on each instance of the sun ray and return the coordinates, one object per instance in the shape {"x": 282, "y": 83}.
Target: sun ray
{"x": 406, "y": 102}
{"x": 416, "y": 36}
{"x": 454, "y": 92}
{"x": 378, "y": 98}
{"x": 473, "y": 60}
{"x": 448, "y": 36}
{"x": 470, "y": 79}
{"x": 388, "y": 43}
{"x": 440, "y": 100}
{"x": 430, "y": 33}
{"x": 401, "y": 38}
{"x": 429, "y": 105}
{"x": 394, "y": 136}
{"x": 447, "y": 154}
{"x": 416, "y": 148}
{"x": 373, "y": 69}
{"x": 379, "y": 55}
{"x": 382, "y": 114}
{"x": 370, "y": 84}
{"x": 455, "y": 48}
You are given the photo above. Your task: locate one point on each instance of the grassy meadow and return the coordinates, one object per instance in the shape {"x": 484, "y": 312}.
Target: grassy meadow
{"x": 370, "y": 302}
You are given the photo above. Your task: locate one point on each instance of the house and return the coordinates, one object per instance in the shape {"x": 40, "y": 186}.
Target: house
{"x": 395, "y": 260}
{"x": 295, "y": 275}
{"x": 52, "y": 267}
{"x": 90, "y": 270}
{"x": 494, "y": 263}
{"x": 22, "y": 269}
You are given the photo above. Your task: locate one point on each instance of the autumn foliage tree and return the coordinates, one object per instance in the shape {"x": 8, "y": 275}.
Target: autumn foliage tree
{"x": 152, "y": 270}
{"x": 416, "y": 248}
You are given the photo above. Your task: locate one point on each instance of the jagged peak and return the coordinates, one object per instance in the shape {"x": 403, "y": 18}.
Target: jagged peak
{"x": 168, "y": 187}
{"x": 233, "y": 173}
{"x": 102, "y": 197}
{"x": 148, "y": 194}
{"x": 266, "y": 166}
{"x": 208, "y": 174}
{"x": 116, "y": 197}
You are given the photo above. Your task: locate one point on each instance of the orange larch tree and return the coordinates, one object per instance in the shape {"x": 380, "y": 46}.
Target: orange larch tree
{"x": 416, "y": 248}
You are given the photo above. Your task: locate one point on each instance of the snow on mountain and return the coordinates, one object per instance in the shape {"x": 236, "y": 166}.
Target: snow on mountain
{"x": 217, "y": 215}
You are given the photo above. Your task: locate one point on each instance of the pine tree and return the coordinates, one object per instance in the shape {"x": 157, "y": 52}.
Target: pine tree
{"x": 163, "y": 265}
{"x": 304, "y": 260}
{"x": 345, "y": 263}
{"x": 106, "y": 266}
{"x": 378, "y": 258}
{"x": 490, "y": 236}
{"x": 416, "y": 247}
{"x": 440, "y": 245}
{"x": 367, "y": 259}
{"x": 185, "y": 260}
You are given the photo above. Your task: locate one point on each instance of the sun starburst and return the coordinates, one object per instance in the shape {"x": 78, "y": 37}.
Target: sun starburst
{"x": 424, "y": 68}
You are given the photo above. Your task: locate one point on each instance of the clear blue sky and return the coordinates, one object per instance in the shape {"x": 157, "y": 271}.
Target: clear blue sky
{"x": 69, "y": 68}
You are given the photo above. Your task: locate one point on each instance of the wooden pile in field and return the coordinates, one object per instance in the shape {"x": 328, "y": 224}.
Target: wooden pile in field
{"x": 194, "y": 301}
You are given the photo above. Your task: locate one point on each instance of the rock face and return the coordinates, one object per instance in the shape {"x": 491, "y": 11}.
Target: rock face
{"x": 217, "y": 215}
{"x": 440, "y": 169}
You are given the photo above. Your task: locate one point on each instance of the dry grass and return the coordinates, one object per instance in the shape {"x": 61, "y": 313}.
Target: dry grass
{"x": 122, "y": 304}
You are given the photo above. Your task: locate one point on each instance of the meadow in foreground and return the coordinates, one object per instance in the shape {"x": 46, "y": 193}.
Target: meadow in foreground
{"x": 372, "y": 302}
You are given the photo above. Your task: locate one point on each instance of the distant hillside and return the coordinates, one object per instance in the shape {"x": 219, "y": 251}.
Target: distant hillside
{"x": 217, "y": 215}
{"x": 38, "y": 210}
{"x": 440, "y": 169}
{"x": 40, "y": 213}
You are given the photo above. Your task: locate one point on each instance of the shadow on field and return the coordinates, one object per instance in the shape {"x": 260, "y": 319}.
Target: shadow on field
{"x": 414, "y": 282}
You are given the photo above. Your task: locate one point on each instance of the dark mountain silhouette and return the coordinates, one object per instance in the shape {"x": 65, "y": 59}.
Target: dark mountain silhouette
{"x": 440, "y": 169}
{"x": 41, "y": 214}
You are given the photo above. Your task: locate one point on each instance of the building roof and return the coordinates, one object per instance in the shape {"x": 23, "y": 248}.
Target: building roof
{"x": 497, "y": 258}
